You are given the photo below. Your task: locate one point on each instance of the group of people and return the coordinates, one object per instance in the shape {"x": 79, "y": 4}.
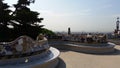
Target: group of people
{"x": 86, "y": 38}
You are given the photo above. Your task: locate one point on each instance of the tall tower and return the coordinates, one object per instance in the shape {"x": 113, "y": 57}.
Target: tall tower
{"x": 117, "y": 24}
{"x": 69, "y": 31}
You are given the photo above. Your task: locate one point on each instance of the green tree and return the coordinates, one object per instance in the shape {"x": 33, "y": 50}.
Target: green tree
{"x": 24, "y": 21}
{"x": 5, "y": 16}
{"x": 47, "y": 32}
{"x": 27, "y": 19}
{"x": 5, "y": 19}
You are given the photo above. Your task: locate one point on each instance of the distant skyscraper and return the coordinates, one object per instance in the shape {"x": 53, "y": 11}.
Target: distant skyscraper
{"x": 69, "y": 31}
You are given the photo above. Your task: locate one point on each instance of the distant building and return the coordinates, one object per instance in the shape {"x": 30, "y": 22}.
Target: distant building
{"x": 117, "y": 25}
{"x": 117, "y": 31}
{"x": 69, "y": 31}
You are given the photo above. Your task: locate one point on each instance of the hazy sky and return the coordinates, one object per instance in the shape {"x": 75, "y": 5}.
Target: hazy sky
{"x": 80, "y": 15}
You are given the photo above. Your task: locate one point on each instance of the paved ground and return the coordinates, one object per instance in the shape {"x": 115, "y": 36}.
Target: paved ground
{"x": 71, "y": 59}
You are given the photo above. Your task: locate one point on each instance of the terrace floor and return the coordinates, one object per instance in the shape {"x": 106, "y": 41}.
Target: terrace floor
{"x": 71, "y": 59}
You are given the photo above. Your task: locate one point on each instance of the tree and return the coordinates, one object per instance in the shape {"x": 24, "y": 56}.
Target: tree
{"x": 5, "y": 19}
{"x": 27, "y": 20}
{"x": 23, "y": 20}
{"x": 5, "y": 16}
{"x": 47, "y": 32}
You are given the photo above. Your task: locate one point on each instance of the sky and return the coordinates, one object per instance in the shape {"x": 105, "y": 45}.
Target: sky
{"x": 79, "y": 15}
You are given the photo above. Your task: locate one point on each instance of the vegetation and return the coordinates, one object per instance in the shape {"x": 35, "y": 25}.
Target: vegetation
{"x": 47, "y": 32}
{"x": 23, "y": 20}
{"x": 5, "y": 19}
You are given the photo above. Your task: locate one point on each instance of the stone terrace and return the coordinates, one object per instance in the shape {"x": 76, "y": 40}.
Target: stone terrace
{"x": 71, "y": 59}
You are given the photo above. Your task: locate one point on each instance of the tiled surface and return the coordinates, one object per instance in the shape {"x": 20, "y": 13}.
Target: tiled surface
{"x": 53, "y": 54}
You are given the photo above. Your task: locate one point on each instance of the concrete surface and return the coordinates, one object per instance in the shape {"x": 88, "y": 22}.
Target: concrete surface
{"x": 71, "y": 59}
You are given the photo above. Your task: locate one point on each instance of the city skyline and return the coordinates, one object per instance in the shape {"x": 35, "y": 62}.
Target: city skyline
{"x": 82, "y": 15}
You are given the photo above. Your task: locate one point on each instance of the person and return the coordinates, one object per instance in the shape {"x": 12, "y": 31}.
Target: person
{"x": 104, "y": 39}
{"x": 40, "y": 37}
{"x": 89, "y": 38}
{"x": 82, "y": 39}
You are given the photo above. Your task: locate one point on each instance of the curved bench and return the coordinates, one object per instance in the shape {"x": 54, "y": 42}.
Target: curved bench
{"x": 23, "y": 45}
{"x": 28, "y": 53}
{"x": 48, "y": 59}
{"x": 98, "y": 49}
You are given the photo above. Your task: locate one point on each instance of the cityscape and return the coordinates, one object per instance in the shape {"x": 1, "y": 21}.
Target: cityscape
{"x": 59, "y": 34}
